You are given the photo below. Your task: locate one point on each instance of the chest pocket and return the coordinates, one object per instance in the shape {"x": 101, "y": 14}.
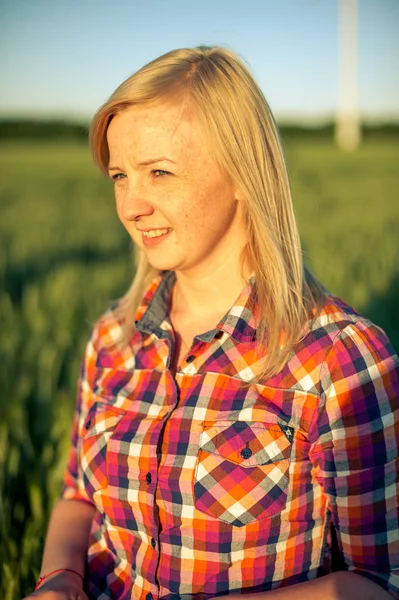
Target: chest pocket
{"x": 242, "y": 471}
{"x": 98, "y": 427}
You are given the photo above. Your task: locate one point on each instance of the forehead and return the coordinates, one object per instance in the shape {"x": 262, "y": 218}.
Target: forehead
{"x": 156, "y": 127}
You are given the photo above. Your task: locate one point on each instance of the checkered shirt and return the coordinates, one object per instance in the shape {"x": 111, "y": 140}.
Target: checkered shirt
{"x": 207, "y": 484}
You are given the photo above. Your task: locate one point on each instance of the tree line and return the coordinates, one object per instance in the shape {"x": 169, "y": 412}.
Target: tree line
{"x": 36, "y": 129}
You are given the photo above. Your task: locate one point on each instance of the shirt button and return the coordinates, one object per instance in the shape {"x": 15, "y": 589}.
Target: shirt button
{"x": 88, "y": 423}
{"x": 218, "y": 335}
{"x": 153, "y": 542}
{"x": 246, "y": 452}
{"x": 148, "y": 596}
{"x": 148, "y": 478}
{"x": 190, "y": 358}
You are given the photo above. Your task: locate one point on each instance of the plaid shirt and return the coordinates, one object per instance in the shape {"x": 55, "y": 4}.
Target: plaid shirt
{"x": 206, "y": 484}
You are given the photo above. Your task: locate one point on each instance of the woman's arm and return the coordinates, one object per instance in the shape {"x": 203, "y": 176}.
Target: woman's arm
{"x": 68, "y": 536}
{"x": 66, "y": 548}
{"x": 355, "y": 449}
{"x": 67, "y": 539}
{"x": 337, "y": 586}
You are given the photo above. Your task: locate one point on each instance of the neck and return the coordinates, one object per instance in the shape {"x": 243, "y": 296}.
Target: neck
{"x": 211, "y": 292}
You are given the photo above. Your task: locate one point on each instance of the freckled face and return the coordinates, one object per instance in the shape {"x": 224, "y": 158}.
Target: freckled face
{"x": 170, "y": 194}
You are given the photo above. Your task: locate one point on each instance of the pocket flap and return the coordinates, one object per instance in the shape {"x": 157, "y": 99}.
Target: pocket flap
{"x": 101, "y": 418}
{"x": 247, "y": 444}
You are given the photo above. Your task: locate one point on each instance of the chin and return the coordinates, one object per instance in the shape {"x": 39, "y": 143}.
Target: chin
{"x": 162, "y": 263}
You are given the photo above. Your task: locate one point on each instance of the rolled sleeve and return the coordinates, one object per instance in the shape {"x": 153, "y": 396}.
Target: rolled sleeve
{"x": 355, "y": 451}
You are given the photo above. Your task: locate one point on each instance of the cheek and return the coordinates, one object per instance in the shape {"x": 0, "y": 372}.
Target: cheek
{"x": 124, "y": 222}
{"x": 196, "y": 222}
{"x": 118, "y": 205}
{"x": 211, "y": 216}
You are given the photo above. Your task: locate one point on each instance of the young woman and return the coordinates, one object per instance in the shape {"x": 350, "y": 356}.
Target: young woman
{"x": 236, "y": 427}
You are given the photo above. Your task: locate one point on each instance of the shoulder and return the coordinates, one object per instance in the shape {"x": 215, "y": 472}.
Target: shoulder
{"x": 337, "y": 322}
{"x": 106, "y": 346}
{"x": 334, "y": 316}
{"x": 342, "y": 327}
{"x": 338, "y": 340}
{"x": 109, "y": 328}
{"x": 114, "y": 338}
{"x": 359, "y": 359}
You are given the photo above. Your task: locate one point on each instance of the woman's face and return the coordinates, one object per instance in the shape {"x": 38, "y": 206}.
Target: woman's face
{"x": 171, "y": 196}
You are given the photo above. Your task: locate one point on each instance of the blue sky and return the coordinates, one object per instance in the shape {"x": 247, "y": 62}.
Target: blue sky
{"x": 65, "y": 57}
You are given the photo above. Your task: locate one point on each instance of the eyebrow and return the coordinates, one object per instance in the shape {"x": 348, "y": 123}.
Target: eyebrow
{"x": 154, "y": 160}
{"x": 145, "y": 163}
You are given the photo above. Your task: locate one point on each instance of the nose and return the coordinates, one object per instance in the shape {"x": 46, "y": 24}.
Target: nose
{"x": 134, "y": 203}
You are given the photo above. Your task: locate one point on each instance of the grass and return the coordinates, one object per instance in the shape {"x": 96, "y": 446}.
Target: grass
{"x": 64, "y": 257}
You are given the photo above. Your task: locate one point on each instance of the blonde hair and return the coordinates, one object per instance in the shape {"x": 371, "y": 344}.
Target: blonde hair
{"x": 244, "y": 139}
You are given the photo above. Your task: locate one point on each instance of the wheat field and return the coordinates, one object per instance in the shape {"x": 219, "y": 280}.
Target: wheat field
{"x": 64, "y": 257}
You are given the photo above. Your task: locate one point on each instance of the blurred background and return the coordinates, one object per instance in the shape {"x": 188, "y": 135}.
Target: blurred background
{"x": 327, "y": 68}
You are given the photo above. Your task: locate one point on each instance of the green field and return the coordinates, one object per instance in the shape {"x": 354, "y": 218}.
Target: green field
{"x": 64, "y": 257}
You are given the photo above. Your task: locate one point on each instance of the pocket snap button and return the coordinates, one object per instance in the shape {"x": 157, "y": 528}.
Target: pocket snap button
{"x": 246, "y": 453}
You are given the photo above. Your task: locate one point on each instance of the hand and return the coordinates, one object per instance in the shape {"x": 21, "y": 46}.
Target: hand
{"x": 60, "y": 586}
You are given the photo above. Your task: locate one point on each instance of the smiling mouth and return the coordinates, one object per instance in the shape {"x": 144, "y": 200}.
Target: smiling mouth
{"x": 154, "y": 233}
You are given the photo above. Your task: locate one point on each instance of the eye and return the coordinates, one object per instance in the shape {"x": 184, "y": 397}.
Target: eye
{"x": 159, "y": 173}
{"x": 117, "y": 176}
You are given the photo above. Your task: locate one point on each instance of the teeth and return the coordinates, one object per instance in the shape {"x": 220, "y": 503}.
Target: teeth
{"x": 155, "y": 233}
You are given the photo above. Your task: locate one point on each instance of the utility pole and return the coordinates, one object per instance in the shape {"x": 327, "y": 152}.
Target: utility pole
{"x": 347, "y": 130}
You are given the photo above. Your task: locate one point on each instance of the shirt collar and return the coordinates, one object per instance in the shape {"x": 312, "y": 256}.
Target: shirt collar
{"x": 239, "y": 322}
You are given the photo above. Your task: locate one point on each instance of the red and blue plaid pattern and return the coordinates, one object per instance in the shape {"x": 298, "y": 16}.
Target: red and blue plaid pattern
{"x": 207, "y": 484}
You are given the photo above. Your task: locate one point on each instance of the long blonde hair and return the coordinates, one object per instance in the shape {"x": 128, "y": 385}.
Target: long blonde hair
{"x": 244, "y": 139}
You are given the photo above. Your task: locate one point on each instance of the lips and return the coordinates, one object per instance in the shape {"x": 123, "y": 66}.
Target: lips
{"x": 154, "y": 233}
{"x": 155, "y": 237}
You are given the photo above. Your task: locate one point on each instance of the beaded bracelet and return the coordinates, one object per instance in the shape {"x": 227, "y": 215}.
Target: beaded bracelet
{"x": 44, "y": 577}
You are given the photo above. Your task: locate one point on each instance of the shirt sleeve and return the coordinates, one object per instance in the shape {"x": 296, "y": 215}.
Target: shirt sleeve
{"x": 73, "y": 485}
{"x": 355, "y": 450}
